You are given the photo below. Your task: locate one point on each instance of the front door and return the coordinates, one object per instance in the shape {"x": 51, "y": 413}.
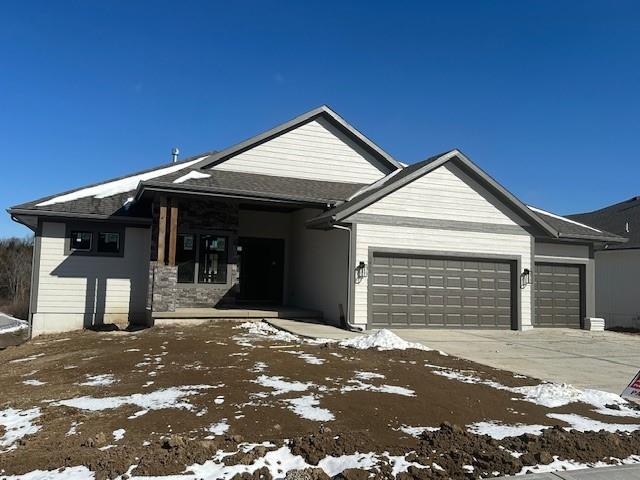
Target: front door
{"x": 261, "y": 270}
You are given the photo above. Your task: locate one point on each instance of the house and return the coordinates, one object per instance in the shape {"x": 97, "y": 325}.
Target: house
{"x": 310, "y": 214}
{"x": 618, "y": 291}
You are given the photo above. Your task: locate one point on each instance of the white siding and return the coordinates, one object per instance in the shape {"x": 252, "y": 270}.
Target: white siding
{"x": 444, "y": 194}
{"x": 315, "y": 150}
{"x": 318, "y": 267}
{"x": 422, "y": 239}
{"x": 617, "y": 287}
{"x": 71, "y": 289}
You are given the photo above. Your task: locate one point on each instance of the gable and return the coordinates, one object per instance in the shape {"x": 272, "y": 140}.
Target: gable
{"x": 315, "y": 150}
{"x": 445, "y": 193}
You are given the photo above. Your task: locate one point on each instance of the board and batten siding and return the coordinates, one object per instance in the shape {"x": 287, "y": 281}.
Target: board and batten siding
{"x": 444, "y": 194}
{"x": 315, "y": 151}
{"x": 74, "y": 291}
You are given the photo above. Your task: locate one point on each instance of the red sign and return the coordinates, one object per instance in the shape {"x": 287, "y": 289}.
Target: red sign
{"x": 632, "y": 392}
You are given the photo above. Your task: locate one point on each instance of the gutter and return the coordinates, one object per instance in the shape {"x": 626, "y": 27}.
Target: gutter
{"x": 347, "y": 323}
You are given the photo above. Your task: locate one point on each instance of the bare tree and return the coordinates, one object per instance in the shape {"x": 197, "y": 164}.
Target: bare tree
{"x": 15, "y": 274}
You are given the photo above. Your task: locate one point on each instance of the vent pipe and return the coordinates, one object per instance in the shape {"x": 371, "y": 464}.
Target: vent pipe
{"x": 174, "y": 154}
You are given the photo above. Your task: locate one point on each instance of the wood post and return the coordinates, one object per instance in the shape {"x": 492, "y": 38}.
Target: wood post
{"x": 173, "y": 232}
{"x": 162, "y": 229}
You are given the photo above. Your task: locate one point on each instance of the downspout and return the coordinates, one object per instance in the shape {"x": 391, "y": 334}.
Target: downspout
{"x": 347, "y": 320}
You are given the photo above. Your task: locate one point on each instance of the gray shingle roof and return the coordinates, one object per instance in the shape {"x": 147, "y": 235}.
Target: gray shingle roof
{"x": 615, "y": 218}
{"x": 568, "y": 229}
{"x": 221, "y": 181}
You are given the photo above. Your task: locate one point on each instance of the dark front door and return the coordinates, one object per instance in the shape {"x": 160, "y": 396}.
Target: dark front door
{"x": 261, "y": 270}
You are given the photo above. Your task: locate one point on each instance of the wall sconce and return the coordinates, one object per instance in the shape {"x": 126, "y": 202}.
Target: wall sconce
{"x": 361, "y": 271}
{"x": 525, "y": 278}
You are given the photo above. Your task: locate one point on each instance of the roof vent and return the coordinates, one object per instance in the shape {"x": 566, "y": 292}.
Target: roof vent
{"x": 174, "y": 154}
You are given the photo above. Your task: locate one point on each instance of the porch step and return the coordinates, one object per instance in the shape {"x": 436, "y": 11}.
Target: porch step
{"x": 237, "y": 313}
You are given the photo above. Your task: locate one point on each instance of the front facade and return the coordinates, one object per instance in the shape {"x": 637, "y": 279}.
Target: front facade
{"x": 310, "y": 214}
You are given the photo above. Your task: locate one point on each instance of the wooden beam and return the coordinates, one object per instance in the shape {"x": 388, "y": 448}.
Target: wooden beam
{"x": 173, "y": 232}
{"x": 162, "y": 229}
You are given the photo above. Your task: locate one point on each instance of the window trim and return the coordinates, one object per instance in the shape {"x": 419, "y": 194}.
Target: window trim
{"x": 196, "y": 233}
{"x": 95, "y": 229}
{"x": 81, "y": 250}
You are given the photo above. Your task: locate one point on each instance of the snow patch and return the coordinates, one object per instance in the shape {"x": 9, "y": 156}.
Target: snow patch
{"x": 584, "y": 424}
{"x": 99, "y": 380}
{"x": 27, "y": 359}
{"x": 116, "y": 187}
{"x": 307, "y": 407}
{"x": 118, "y": 434}
{"x": 192, "y": 175}
{"x": 499, "y": 430}
{"x": 160, "y": 399}
{"x": 263, "y": 329}
{"x": 307, "y": 357}
{"x": 368, "y": 375}
{"x": 280, "y": 385}
{"x": 357, "y": 385}
{"x": 17, "y": 424}
{"x": 417, "y": 431}
{"x": 34, "y": 382}
{"x": 382, "y": 340}
{"x": 217, "y": 429}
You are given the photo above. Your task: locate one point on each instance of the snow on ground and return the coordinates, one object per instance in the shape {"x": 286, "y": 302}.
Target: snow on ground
{"x": 280, "y": 385}
{"x": 499, "y": 430}
{"x": 560, "y": 465}
{"x": 307, "y": 357}
{"x": 27, "y": 359}
{"x": 116, "y": 187}
{"x": 368, "y": 375}
{"x": 193, "y": 174}
{"x": 219, "y": 428}
{"x": 307, "y": 407}
{"x": 382, "y": 340}
{"x": 584, "y": 424}
{"x": 417, "y": 431}
{"x": 259, "y": 367}
{"x": 17, "y": 424}
{"x": 118, "y": 434}
{"x": 264, "y": 330}
{"x": 34, "y": 382}
{"x": 14, "y": 325}
{"x": 357, "y": 385}
{"x": 99, "y": 380}
{"x": 165, "y": 398}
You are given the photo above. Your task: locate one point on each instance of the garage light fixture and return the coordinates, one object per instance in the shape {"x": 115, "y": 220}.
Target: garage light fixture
{"x": 525, "y": 278}
{"x": 361, "y": 271}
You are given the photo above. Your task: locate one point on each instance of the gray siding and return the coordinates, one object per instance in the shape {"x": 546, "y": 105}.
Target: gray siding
{"x": 76, "y": 291}
{"x": 315, "y": 150}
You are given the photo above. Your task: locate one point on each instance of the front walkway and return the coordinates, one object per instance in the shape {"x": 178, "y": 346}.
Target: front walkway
{"x": 601, "y": 360}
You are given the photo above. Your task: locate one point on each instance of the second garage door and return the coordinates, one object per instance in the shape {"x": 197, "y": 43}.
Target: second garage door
{"x": 430, "y": 291}
{"x": 558, "y": 295}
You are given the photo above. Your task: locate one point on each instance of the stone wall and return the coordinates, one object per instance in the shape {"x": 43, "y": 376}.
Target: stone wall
{"x": 195, "y": 216}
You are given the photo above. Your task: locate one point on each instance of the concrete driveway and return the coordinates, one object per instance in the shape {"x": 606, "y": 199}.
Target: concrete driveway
{"x": 602, "y": 360}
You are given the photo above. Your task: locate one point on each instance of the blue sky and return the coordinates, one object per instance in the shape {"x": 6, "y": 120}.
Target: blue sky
{"x": 543, "y": 95}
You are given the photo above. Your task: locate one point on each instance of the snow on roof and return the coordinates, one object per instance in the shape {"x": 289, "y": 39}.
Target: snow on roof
{"x": 116, "y": 187}
{"x": 564, "y": 219}
{"x": 193, "y": 174}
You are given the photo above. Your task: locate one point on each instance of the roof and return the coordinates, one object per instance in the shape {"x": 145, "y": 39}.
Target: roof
{"x": 212, "y": 182}
{"x": 551, "y": 224}
{"x": 621, "y": 218}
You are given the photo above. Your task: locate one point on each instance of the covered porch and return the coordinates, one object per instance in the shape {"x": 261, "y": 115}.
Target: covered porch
{"x": 218, "y": 257}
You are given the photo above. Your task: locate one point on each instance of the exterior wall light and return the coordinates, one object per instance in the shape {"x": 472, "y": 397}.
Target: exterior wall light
{"x": 525, "y": 278}
{"x": 361, "y": 271}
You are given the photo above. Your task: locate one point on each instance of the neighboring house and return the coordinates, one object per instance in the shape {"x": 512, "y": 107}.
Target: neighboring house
{"x": 618, "y": 265}
{"x": 309, "y": 214}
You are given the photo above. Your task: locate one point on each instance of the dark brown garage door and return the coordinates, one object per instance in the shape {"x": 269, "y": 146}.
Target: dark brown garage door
{"x": 558, "y": 293}
{"x": 426, "y": 291}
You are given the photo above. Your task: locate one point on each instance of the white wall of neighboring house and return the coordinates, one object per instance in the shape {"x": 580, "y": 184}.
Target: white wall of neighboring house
{"x": 72, "y": 289}
{"x": 444, "y": 194}
{"x": 318, "y": 267}
{"x": 618, "y": 288}
{"x": 316, "y": 150}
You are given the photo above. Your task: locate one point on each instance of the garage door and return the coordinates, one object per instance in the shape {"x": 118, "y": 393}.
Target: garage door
{"x": 558, "y": 290}
{"x": 427, "y": 291}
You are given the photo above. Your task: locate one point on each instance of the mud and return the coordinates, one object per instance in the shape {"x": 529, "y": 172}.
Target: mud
{"x": 168, "y": 440}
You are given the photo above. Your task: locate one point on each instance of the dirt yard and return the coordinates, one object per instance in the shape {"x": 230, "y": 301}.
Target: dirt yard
{"x": 219, "y": 400}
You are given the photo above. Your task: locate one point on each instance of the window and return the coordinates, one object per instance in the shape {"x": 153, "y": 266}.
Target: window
{"x": 80, "y": 241}
{"x": 186, "y": 258}
{"x": 212, "y": 260}
{"x": 108, "y": 242}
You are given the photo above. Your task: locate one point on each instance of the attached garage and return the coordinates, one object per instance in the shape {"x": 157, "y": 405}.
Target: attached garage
{"x": 441, "y": 291}
{"x": 559, "y": 295}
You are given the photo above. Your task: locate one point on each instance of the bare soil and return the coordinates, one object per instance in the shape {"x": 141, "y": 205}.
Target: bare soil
{"x": 167, "y": 441}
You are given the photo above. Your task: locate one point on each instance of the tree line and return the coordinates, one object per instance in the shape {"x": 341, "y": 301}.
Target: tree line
{"x": 15, "y": 275}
